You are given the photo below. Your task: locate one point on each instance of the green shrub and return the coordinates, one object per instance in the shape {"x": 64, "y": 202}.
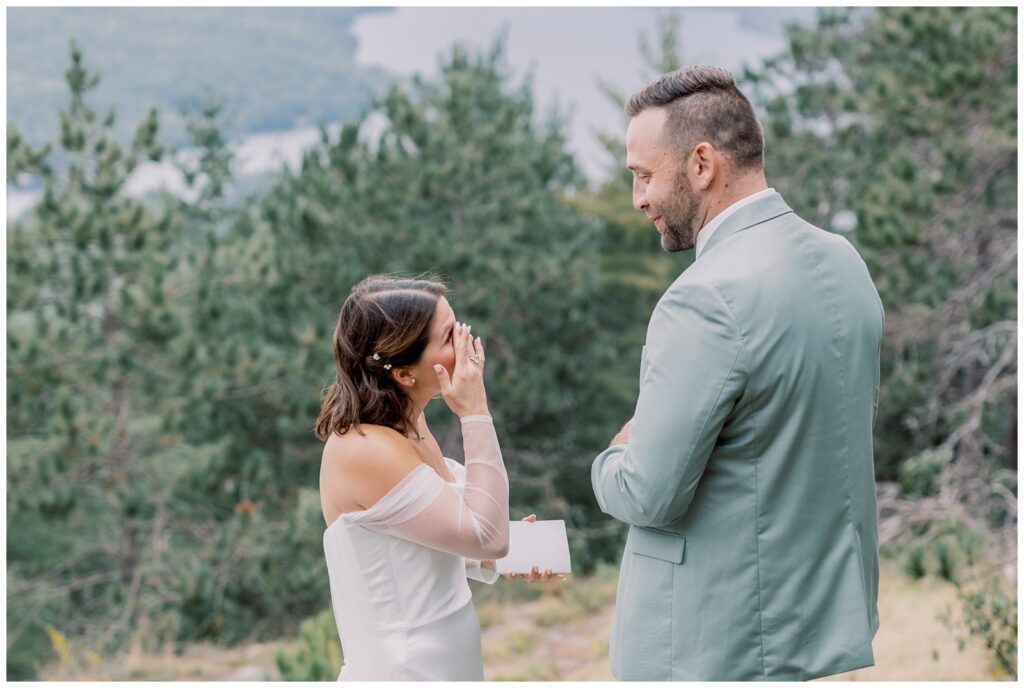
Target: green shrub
{"x": 946, "y": 560}
{"x": 989, "y": 613}
{"x": 919, "y": 475}
{"x": 913, "y": 565}
{"x": 316, "y": 655}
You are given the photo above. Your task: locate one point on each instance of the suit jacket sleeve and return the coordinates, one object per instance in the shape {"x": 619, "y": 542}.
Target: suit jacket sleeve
{"x": 692, "y": 375}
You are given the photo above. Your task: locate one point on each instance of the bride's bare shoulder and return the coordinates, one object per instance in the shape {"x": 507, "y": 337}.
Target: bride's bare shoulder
{"x": 362, "y": 465}
{"x": 369, "y": 451}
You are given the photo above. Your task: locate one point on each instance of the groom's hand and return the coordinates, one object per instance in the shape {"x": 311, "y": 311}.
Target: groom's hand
{"x": 623, "y": 436}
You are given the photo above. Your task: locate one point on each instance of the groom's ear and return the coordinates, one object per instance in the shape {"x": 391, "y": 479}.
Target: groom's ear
{"x": 705, "y": 163}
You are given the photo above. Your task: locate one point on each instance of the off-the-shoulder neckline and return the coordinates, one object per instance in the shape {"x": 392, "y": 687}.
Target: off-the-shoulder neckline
{"x": 394, "y": 487}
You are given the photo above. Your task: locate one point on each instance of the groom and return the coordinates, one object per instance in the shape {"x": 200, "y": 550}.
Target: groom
{"x": 746, "y": 474}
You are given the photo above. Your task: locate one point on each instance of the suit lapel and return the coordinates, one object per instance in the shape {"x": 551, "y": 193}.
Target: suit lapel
{"x": 761, "y": 210}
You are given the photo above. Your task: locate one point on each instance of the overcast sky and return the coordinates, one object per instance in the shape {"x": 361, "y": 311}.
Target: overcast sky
{"x": 567, "y": 48}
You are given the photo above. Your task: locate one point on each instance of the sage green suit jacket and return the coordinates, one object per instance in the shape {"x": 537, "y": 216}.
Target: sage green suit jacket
{"x": 748, "y": 479}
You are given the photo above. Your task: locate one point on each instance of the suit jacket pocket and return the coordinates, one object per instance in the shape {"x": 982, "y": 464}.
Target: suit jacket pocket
{"x": 659, "y": 544}
{"x": 642, "y": 644}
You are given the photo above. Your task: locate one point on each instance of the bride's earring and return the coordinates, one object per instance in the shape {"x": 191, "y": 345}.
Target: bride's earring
{"x": 412, "y": 382}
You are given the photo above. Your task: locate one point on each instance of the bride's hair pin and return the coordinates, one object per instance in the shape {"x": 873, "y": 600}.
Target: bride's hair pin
{"x": 376, "y": 357}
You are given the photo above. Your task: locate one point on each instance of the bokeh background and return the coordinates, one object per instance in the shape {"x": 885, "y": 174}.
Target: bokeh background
{"x": 191, "y": 192}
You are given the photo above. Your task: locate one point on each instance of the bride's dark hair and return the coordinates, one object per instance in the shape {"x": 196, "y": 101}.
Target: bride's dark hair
{"x": 392, "y": 318}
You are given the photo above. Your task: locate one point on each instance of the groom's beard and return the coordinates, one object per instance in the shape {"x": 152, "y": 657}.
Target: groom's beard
{"x": 681, "y": 227}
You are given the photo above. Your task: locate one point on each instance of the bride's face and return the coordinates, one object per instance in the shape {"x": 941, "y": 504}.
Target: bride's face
{"x": 439, "y": 348}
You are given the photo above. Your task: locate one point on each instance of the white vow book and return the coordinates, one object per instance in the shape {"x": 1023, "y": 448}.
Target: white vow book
{"x": 541, "y": 543}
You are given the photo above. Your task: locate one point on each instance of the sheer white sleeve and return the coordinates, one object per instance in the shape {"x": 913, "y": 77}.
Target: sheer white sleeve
{"x": 475, "y": 571}
{"x": 425, "y": 509}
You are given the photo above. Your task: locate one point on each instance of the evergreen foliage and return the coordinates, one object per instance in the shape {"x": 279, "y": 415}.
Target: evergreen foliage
{"x": 636, "y": 271}
{"x": 900, "y": 127}
{"x": 166, "y": 356}
{"x": 92, "y": 326}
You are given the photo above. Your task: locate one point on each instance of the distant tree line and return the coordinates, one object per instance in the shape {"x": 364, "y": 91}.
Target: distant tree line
{"x": 166, "y": 357}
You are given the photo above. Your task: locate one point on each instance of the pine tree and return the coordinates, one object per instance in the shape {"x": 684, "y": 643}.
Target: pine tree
{"x": 636, "y": 271}
{"x": 91, "y": 315}
{"x": 456, "y": 177}
{"x": 899, "y": 126}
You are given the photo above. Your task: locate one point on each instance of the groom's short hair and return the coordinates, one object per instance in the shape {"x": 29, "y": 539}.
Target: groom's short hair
{"x": 704, "y": 104}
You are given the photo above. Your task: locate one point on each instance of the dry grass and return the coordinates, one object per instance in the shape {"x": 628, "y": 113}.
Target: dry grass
{"x": 573, "y": 631}
{"x": 558, "y": 631}
{"x": 570, "y": 621}
{"x": 199, "y": 662}
{"x": 490, "y": 613}
{"x": 912, "y": 644}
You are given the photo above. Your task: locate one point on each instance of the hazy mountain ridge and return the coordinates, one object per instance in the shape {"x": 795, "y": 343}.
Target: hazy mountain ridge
{"x": 276, "y": 67}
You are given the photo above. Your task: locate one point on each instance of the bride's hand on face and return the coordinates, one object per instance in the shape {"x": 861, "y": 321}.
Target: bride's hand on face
{"x": 464, "y": 391}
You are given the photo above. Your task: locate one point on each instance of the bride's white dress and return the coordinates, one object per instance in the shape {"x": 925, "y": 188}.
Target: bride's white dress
{"x": 398, "y": 569}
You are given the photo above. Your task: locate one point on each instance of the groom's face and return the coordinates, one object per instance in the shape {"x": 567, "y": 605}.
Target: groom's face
{"x": 661, "y": 189}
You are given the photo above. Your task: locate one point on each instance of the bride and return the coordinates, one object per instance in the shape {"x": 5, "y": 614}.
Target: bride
{"x": 406, "y": 525}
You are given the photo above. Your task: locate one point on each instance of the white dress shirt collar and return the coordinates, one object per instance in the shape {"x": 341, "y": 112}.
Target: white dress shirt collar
{"x": 704, "y": 235}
